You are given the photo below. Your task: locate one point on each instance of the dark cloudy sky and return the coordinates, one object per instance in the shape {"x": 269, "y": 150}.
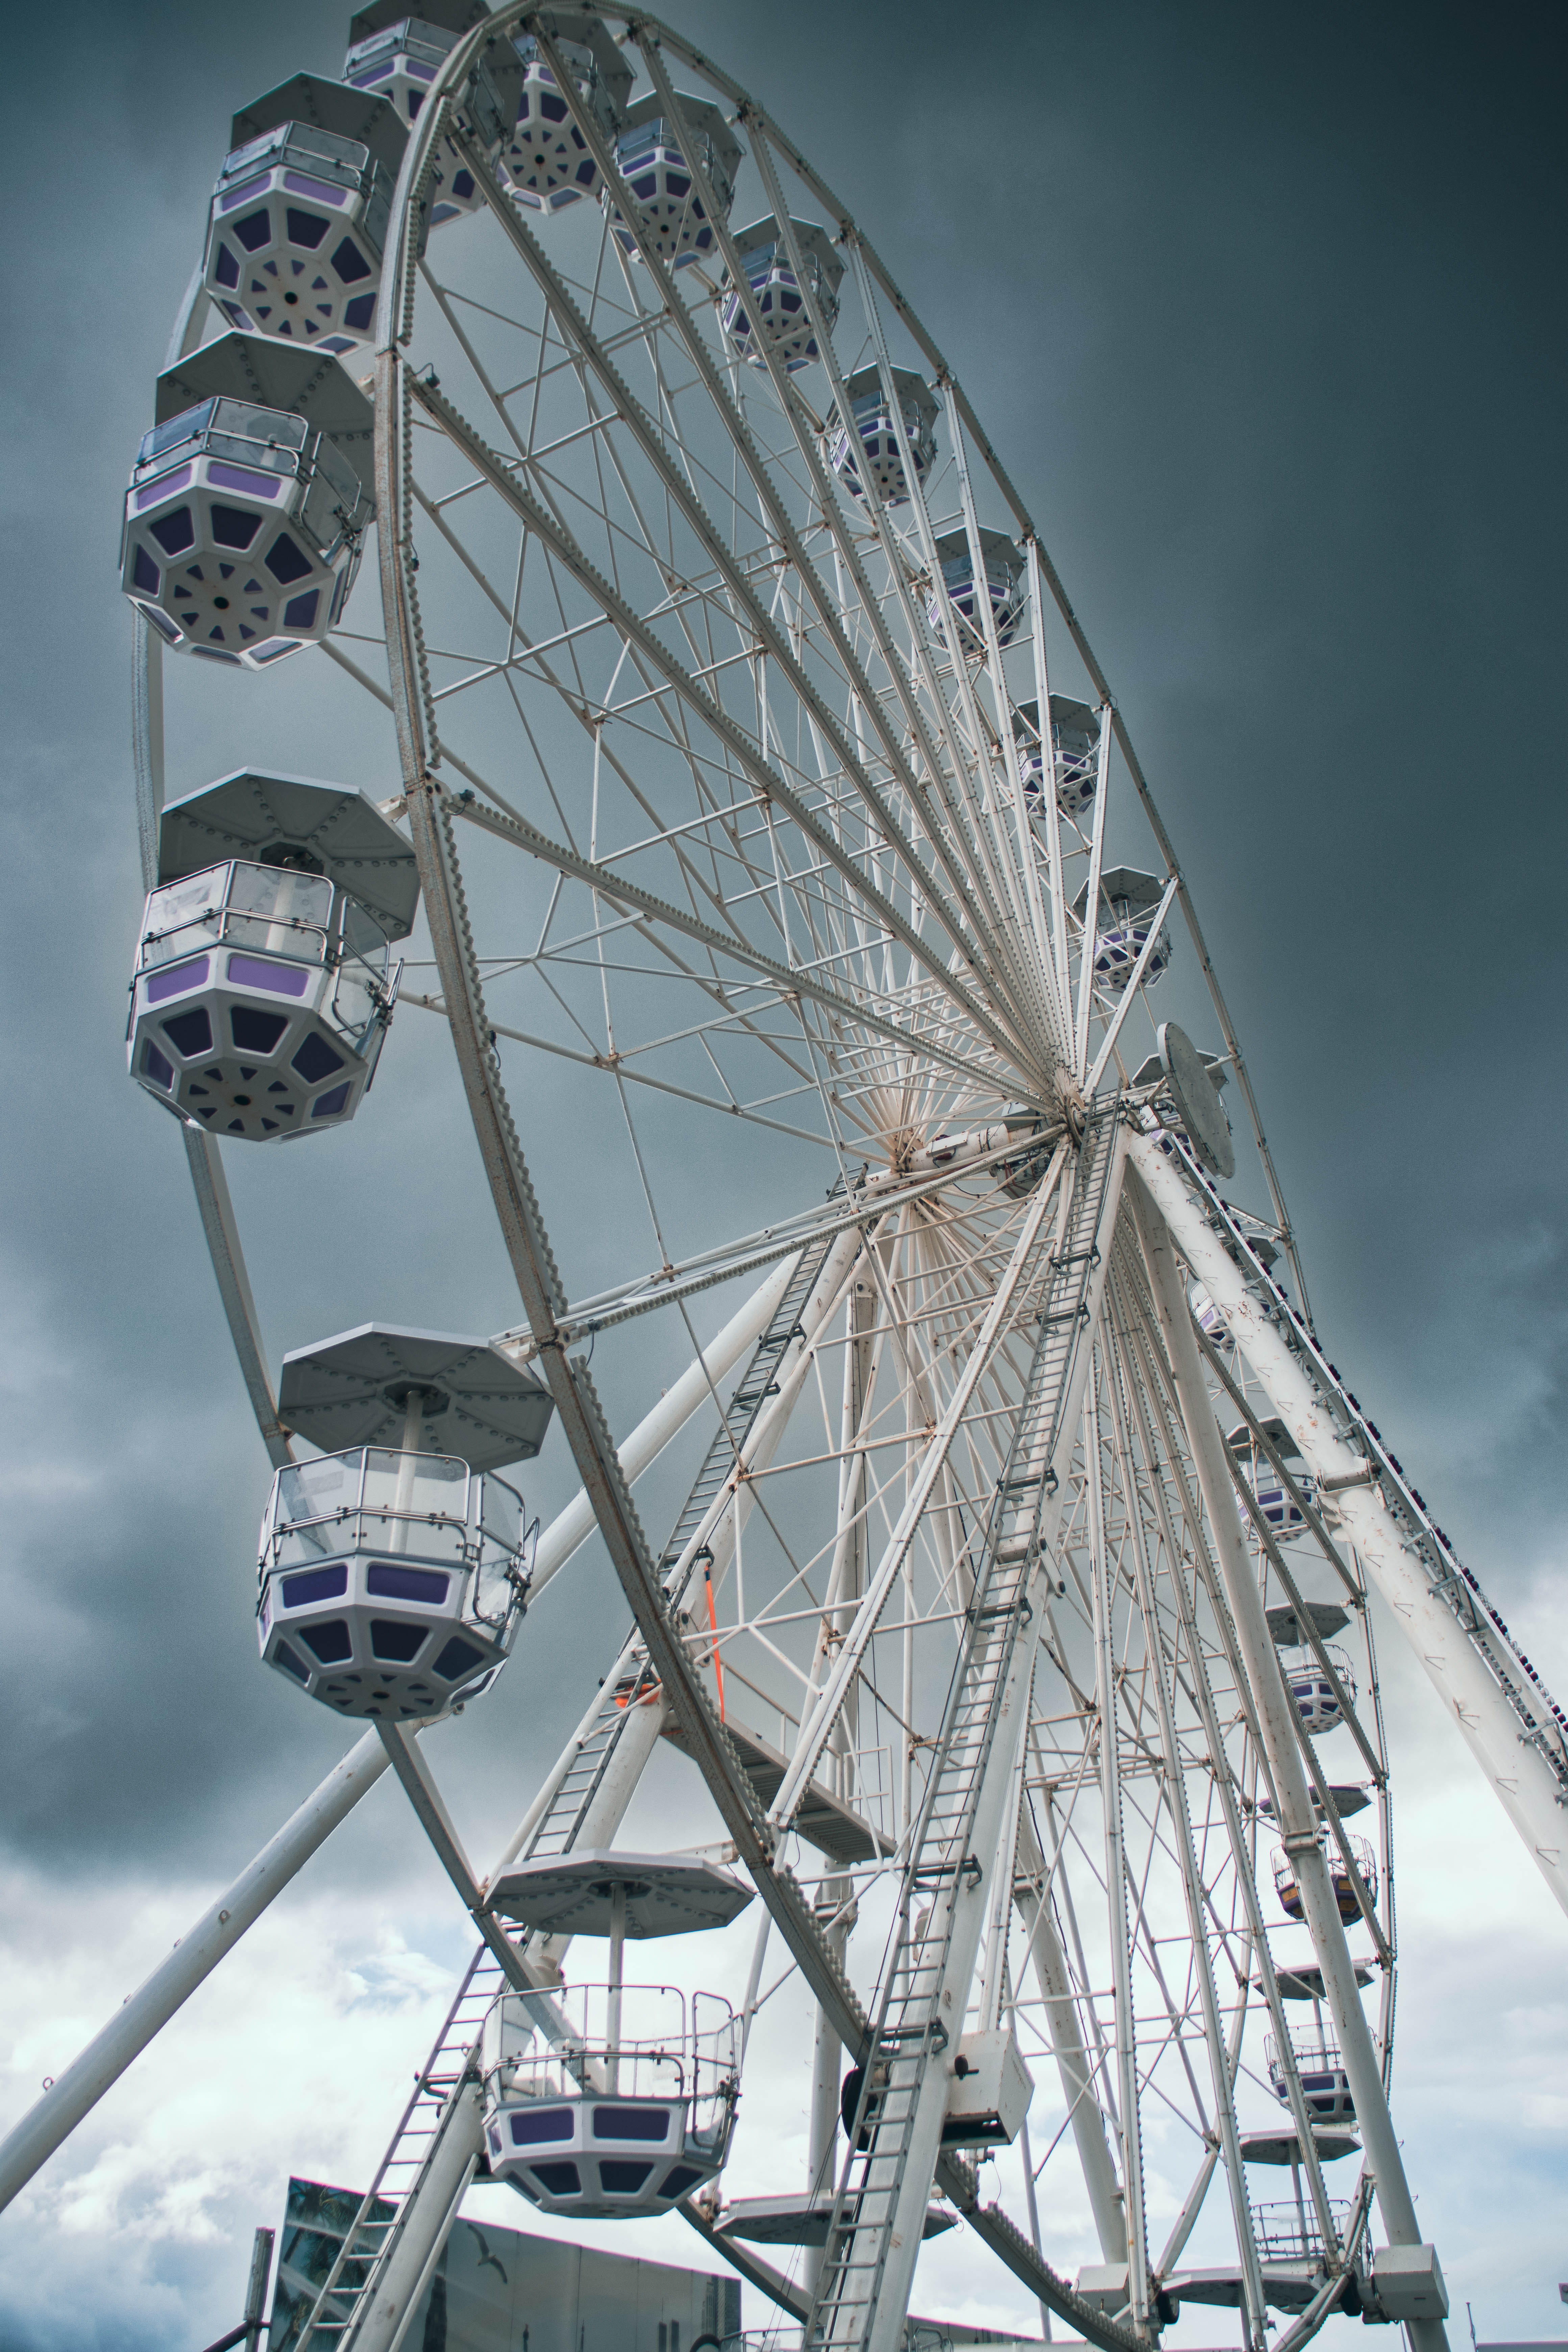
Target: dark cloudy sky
{"x": 1262, "y": 309}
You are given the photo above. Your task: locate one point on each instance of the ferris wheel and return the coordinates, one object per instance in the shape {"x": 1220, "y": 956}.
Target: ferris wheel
{"x": 757, "y": 777}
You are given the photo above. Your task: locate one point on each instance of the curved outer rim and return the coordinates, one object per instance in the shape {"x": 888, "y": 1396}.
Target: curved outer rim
{"x": 219, "y": 1226}
{"x": 521, "y": 1224}
{"x": 526, "y": 1239}
{"x": 395, "y": 322}
{"x": 590, "y": 1438}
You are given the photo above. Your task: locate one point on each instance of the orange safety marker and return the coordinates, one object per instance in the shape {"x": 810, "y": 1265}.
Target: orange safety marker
{"x": 713, "y": 1624}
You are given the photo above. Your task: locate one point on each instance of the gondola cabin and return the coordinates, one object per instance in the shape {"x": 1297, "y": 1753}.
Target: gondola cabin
{"x": 654, "y": 164}
{"x": 393, "y": 1571}
{"x": 1124, "y": 921}
{"x": 547, "y": 163}
{"x": 1281, "y": 1509}
{"x": 775, "y": 311}
{"x": 1287, "y": 1886}
{"x": 299, "y": 216}
{"x": 968, "y": 588}
{"x": 264, "y": 985}
{"x": 621, "y": 2102}
{"x": 396, "y": 55}
{"x": 863, "y": 444}
{"x": 248, "y": 503}
{"x": 1075, "y": 755}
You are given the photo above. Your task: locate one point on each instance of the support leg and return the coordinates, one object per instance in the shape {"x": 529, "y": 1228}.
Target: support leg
{"x": 109, "y": 2053}
{"x": 1298, "y": 1815}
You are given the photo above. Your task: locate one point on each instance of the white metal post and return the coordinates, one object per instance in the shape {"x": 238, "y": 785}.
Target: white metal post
{"x": 53, "y": 2116}
{"x": 968, "y": 1901}
{"x": 613, "y": 2009}
{"x": 413, "y": 1444}
{"x": 381, "y": 2323}
{"x": 845, "y": 1582}
{"x": 1175, "y": 1793}
{"x": 1073, "y": 2062}
{"x": 1524, "y": 1783}
{"x": 1108, "y": 1703}
{"x": 694, "y": 1388}
{"x": 1298, "y": 1815}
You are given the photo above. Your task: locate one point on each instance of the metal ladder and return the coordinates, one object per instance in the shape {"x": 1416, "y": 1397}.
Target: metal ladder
{"x": 745, "y": 1407}
{"x": 909, "y": 2031}
{"x": 352, "y": 2276}
{"x": 354, "y": 2273}
{"x": 632, "y": 1679}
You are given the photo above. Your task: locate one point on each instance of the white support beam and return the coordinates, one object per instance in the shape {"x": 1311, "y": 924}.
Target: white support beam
{"x": 960, "y": 1906}
{"x": 380, "y": 2321}
{"x": 1271, "y": 1699}
{"x": 143, "y": 2015}
{"x": 815, "y": 1730}
{"x": 1518, "y": 1774}
{"x": 1073, "y": 2061}
{"x": 148, "y": 2010}
{"x": 690, "y": 1393}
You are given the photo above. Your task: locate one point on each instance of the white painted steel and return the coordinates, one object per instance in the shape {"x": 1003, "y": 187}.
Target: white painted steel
{"x": 816, "y": 1729}
{"x": 852, "y": 918}
{"x": 645, "y": 1443}
{"x": 1519, "y": 1777}
{"x": 1050, "y": 1965}
{"x": 380, "y": 2323}
{"x": 966, "y": 1900}
{"x": 148, "y": 2010}
{"x": 1196, "y": 1894}
{"x": 1276, "y": 1711}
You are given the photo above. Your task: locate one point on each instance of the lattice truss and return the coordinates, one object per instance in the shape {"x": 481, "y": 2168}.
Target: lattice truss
{"x": 794, "y": 875}
{"x": 768, "y": 805}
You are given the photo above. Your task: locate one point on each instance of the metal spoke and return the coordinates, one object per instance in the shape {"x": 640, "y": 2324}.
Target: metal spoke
{"x": 733, "y": 696}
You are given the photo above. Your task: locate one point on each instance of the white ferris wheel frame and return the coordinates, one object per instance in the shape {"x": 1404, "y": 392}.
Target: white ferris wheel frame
{"x": 1133, "y": 1403}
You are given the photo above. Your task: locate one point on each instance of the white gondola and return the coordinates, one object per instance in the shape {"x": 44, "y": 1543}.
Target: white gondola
{"x": 264, "y": 987}
{"x": 866, "y": 445}
{"x": 1287, "y": 1888}
{"x": 1325, "y": 2085}
{"x": 1286, "y": 2233}
{"x": 395, "y": 1569}
{"x": 1209, "y": 1318}
{"x": 393, "y": 1583}
{"x": 299, "y": 214}
{"x": 1130, "y": 899}
{"x": 1317, "y": 1701}
{"x": 623, "y": 2103}
{"x": 396, "y": 55}
{"x": 547, "y": 162}
{"x": 249, "y": 501}
{"x": 1285, "y": 1517}
{"x": 650, "y": 153}
{"x": 999, "y": 582}
{"x": 1075, "y": 754}
{"x": 775, "y": 311}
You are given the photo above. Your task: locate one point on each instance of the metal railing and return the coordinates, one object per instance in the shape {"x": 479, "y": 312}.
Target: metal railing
{"x": 671, "y": 2055}
{"x": 273, "y": 907}
{"x": 1288, "y": 2232}
{"x": 1289, "y": 1891}
{"x": 422, "y": 1506}
{"x": 1312, "y": 2054}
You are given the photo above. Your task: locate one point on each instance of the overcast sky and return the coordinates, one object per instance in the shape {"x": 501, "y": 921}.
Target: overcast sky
{"x": 1262, "y": 311}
